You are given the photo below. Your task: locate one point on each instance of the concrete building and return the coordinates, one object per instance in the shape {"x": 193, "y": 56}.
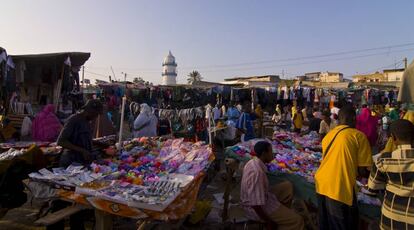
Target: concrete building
{"x": 254, "y": 81}
{"x": 315, "y": 76}
{"x": 388, "y": 75}
{"x": 373, "y": 77}
{"x": 169, "y": 70}
{"x": 394, "y": 74}
{"x": 329, "y": 77}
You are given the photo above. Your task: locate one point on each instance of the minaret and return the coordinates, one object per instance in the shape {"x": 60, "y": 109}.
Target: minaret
{"x": 169, "y": 72}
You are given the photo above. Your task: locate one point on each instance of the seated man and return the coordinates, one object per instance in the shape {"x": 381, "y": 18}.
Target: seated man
{"x": 393, "y": 171}
{"x": 262, "y": 203}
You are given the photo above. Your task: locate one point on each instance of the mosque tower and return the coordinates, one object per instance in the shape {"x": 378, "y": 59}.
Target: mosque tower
{"x": 169, "y": 72}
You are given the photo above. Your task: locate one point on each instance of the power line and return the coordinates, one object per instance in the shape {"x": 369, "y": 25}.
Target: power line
{"x": 306, "y": 63}
{"x": 389, "y": 48}
{"x": 311, "y": 57}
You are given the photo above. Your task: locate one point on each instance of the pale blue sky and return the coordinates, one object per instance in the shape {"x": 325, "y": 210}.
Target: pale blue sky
{"x": 212, "y": 36}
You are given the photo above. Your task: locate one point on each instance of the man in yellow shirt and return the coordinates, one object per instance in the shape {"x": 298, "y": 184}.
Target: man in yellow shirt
{"x": 346, "y": 153}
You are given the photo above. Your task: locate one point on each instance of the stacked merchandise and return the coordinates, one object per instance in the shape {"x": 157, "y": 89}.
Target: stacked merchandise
{"x": 149, "y": 173}
{"x": 291, "y": 156}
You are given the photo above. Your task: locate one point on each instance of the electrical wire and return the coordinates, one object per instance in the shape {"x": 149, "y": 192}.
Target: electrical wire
{"x": 389, "y": 48}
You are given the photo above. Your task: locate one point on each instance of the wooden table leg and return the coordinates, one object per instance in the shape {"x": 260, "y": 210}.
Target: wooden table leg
{"x": 103, "y": 220}
{"x": 231, "y": 167}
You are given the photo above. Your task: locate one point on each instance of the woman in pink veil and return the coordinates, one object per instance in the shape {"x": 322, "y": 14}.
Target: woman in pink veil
{"x": 46, "y": 126}
{"x": 368, "y": 124}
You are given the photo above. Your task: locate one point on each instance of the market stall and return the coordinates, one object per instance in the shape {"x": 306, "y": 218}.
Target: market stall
{"x": 297, "y": 160}
{"x": 151, "y": 179}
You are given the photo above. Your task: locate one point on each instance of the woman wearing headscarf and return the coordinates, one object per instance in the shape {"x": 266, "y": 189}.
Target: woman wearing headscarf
{"x": 145, "y": 125}
{"x": 368, "y": 124}
{"x": 297, "y": 119}
{"x": 277, "y": 117}
{"x": 46, "y": 126}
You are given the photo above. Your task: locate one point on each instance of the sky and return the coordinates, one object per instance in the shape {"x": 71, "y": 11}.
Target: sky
{"x": 220, "y": 39}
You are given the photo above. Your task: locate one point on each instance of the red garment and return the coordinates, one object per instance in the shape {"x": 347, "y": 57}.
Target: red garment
{"x": 46, "y": 126}
{"x": 368, "y": 124}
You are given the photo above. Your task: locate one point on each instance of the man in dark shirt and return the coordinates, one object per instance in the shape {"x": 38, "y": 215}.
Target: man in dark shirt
{"x": 76, "y": 135}
{"x": 314, "y": 123}
{"x": 76, "y": 140}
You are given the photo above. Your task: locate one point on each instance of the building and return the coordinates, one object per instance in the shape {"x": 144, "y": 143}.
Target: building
{"x": 315, "y": 76}
{"x": 254, "y": 81}
{"x": 330, "y": 77}
{"x": 388, "y": 75}
{"x": 169, "y": 70}
{"x": 373, "y": 77}
{"x": 393, "y": 74}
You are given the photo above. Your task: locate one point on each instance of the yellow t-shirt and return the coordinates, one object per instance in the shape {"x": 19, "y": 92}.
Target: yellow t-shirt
{"x": 336, "y": 177}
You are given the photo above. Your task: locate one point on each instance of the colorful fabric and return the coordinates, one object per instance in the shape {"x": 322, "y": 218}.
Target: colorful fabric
{"x": 255, "y": 189}
{"x": 336, "y": 176}
{"x": 367, "y": 124}
{"x": 394, "y": 172}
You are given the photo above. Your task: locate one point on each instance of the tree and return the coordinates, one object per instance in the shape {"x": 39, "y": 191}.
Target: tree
{"x": 194, "y": 76}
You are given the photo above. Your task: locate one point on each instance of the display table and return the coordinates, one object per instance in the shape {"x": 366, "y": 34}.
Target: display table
{"x": 301, "y": 179}
{"x": 144, "y": 182}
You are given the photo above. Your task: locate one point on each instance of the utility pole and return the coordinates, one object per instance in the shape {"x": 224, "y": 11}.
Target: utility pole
{"x": 405, "y": 63}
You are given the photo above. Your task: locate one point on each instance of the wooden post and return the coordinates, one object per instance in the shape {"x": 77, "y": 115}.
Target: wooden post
{"x": 103, "y": 220}
{"x": 231, "y": 166}
{"x": 121, "y": 128}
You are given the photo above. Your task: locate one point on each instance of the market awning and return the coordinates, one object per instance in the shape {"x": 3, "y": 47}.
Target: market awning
{"x": 406, "y": 93}
{"x": 76, "y": 58}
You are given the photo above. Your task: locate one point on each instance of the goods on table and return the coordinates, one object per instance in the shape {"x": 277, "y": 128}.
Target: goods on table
{"x": 22, "y": 144}
{"x": 70, "y": 177}
{"x": 148, "y": 173}
{"x": 106, "y": 140}
{"x": 288, "y": 158}
{"x": 310, "y": 140}
{"x": 11, "y": 154}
